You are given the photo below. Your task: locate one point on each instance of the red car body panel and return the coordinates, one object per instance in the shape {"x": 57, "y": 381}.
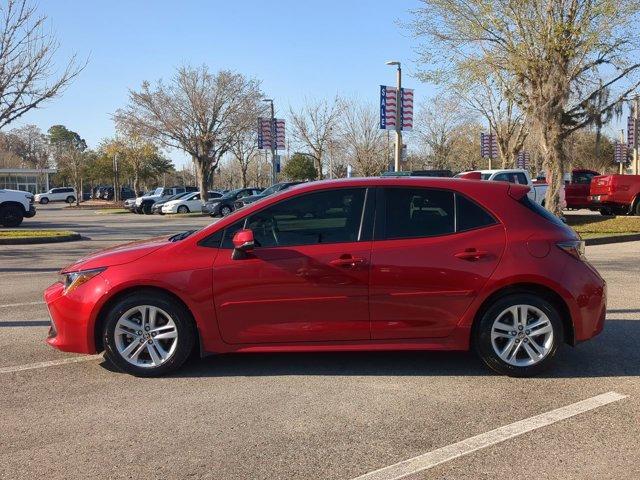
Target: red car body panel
{"x": 619, "y": 192}
{"x": 420, "y": 293}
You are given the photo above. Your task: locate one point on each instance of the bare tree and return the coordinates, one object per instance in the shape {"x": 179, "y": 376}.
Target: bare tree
{"x": 487, "y": 93}
{"x": 197, "y": 112}
{"x": 437, "y": 125}
{"x": 27, "y": 51}
{"x": 363, "y": 141}
{"x": 560, "y": 53}
{"x": 313, "y": 126}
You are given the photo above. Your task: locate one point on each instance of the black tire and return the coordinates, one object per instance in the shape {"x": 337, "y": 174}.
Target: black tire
{"x": 183, "y": 209}
{"x": 146, "y": 209}
{"x": 44, "y": 201}
{"x": 225, "y": 210}
{"x": 11, "y": 216}
{"x": 482, "y": 334}
{"x": 181, "y": 317}
{"x": 70, "y": 199}
{"x": 606, "y": 212}
{"x": 635, "y": 209}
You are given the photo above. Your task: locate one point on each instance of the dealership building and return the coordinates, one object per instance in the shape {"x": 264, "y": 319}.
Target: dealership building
{"x": 34, "y": 180}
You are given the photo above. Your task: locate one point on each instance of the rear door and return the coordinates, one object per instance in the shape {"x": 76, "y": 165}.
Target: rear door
{"x": 433, "y": 252}
{"x": 307, "y": 279}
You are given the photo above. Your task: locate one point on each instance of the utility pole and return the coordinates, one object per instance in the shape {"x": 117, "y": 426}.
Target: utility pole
{"x": 636, "y": 108}
{"x": 621, "y": 144}
{"x": 398, "y": 149}
{"x": 274, "y": 141}
{"x": 116, "y": 186}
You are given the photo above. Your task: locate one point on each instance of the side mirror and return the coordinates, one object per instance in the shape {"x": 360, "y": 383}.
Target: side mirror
{"x": 243, "y": 243}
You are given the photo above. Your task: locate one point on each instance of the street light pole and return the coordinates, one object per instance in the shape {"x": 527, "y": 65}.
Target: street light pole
{"x": 274, "y": 141}
{"x": 398, "y": 149}
{"x": 636, "y": 115}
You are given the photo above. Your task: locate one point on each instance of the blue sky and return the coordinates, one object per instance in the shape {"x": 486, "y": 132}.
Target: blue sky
{"x": 298, "y": 49}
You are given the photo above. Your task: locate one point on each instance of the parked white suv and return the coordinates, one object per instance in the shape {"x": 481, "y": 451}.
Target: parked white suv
{"x": 62, "y": 194}
{"x": 14, "y": 206}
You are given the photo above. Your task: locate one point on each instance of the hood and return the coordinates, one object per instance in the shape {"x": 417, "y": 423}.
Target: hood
{"x": 27, "y": 194}
{"x": 119, "y": 255}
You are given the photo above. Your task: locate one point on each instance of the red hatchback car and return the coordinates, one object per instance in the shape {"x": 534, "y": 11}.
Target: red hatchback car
{"x": 358, "y": 264}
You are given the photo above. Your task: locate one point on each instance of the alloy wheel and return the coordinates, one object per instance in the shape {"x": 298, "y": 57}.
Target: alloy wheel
{"x": 522, "y": 335}
{"x": 146, "y": 336}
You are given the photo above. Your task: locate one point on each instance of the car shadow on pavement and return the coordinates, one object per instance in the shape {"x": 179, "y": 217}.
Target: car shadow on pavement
{"x": 613, "y": 353}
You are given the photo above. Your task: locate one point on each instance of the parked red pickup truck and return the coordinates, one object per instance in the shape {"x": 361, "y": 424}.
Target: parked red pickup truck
{"x": 616, "y": 194}
{"x": 576, "y": 192}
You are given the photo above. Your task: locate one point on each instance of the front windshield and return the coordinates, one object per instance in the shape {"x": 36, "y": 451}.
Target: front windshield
{"x": 272, "y": 189}
{"x": 177, "y": 196}
{"x": 231, "y": 194}
{"x": 158, "y": 191}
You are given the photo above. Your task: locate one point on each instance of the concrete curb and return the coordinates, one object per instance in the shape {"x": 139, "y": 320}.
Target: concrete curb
{"x": 632, "y": 237}
{"x": 40, "y": 240}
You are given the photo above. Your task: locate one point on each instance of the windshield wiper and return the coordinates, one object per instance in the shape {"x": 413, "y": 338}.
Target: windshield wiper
{"x": 180, "y": 236}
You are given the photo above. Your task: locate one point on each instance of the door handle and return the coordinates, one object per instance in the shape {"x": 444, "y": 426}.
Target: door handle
{"x": 347, "y": 261}
{"x": 471, "y": 254}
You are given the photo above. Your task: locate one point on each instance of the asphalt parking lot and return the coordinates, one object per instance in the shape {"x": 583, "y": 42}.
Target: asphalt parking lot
{"x": 301, "y": 416}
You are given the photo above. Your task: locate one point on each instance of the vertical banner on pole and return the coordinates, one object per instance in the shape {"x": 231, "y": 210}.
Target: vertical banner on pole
{"x": 389, "y": 109}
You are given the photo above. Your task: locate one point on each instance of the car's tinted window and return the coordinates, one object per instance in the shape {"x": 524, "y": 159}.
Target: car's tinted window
{"x": 521, "y": 178}
{"x": 583, "y": 178}
{"x": 470, "y": 215}
{"x": 331, "y": 216}
{"x": 418, "y": 212}
{"x": 55, "y": 190}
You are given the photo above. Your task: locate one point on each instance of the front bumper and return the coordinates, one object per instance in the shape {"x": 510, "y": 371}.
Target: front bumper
{"x": 169, "y": 209}
{"x": 211, "y": 209}
{"x": 31, "y": 212}
{"x": 73, "y": 315}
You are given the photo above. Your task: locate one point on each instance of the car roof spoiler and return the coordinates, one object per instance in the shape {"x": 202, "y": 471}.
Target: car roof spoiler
{"x": 517, "y": 192}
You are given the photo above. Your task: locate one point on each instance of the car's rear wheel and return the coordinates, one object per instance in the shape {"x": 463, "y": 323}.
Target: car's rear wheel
{"x": 519, "y": 335}
{"x": 70, "y": 199}
{"x": 183, "y": 209}
{"x": 224, "y": 211}
{"x": 148, "y": 334}
{"x": 44, "y": 201}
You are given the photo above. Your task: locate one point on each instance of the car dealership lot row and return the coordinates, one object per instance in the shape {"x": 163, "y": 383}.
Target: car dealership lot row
{"x": 301, "y": 415}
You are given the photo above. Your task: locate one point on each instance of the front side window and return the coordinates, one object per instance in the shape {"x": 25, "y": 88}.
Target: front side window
{"x": 418, "y": 212}
{"x": 331, "y": 216}
{"x": 521, "y": 178}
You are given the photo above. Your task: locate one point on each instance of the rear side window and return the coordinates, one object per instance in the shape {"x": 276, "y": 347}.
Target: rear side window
{"x": 543, "y": 212}
{"x": 418, "y": 212}
{"x": 521, "y": 178}
{"x": 470, "y": 215}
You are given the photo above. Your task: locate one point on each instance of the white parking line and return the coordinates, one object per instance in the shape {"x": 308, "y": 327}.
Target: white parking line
{"x": 472, "y": 444}
{"x": 7, "y": 305}
{"x": 51, "y": 363}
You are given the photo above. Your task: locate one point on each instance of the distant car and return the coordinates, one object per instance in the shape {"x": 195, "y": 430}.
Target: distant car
{"x": 15, "y": 205}
{"x": 157, "y": 207}
{"x": 145, "y": 203}
{"x": 125, "y": 193}
{"x": 576, "y": 190}
{"x": 130, "y": 204}
{"x": 615, "y": 194}
{"x": 224, "y": 205}
{"x": 537, "y": 191}
{"x": 62, "y": 194}
{"x": 191, "y": 202}
{"x": 278, "y": 187}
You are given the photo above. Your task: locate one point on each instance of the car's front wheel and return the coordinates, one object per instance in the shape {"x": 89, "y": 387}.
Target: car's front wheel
{"x": 183, "y": 209}
{"x": 148, "y": 334}
{"x": 519, "y": 335}
{"x": 224, "y": 211}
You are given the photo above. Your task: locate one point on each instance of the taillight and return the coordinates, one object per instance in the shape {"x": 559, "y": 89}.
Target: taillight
{"x": 574, "y": 248}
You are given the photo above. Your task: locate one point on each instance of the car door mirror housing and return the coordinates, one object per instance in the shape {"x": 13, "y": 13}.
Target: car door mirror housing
{"x": 243, "y": 242}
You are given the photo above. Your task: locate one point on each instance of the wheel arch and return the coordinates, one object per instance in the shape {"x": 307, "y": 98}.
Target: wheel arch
{"x": 543, "y": 291}
{"x": 100, "y": 317}
{"x": 12, "y": 203}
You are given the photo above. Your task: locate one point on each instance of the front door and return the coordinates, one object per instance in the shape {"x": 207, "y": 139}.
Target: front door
{"x": 307, "y": 279}
{"x": 436, "y": 251}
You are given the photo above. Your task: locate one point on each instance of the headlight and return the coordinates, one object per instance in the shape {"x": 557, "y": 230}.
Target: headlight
{"x": 73, "y": 280}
